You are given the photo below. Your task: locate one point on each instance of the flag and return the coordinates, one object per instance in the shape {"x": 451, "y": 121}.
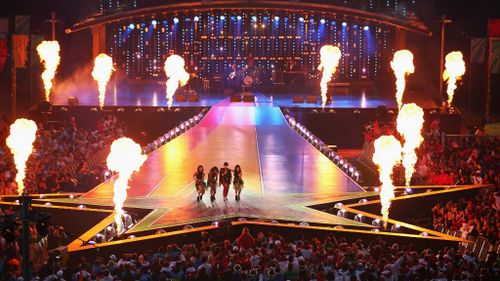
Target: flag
{"x": 495, "y": 56}
{"x": 19, "y": 50}
{"x": 35, "y": 41}
{"x": 477, "y": 50}
{"x": 4, "y": 25}
{"x": 22, "y": 24}
{"x": 4, "y": 52}
{"x": 494, "y": 27}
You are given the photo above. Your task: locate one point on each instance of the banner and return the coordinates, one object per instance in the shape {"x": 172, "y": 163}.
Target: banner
{"x": 495, "y": 56}
{"x": 22, "y": 24}
{"x": 494, "y": 28}
{"x": 4, "y": 25}
{"x": 4, "y": 52}
{"x": 477, "y": 50}
{"x": 19, "y": 50}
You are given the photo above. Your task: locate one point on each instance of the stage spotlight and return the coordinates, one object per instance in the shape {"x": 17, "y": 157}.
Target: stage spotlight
{"x": 342, "y": 213}
{"x": 341, "y": 162}
{"x": 357, "y": 111}
{"x": 338, "y": 227}
{"x": 17, "y": 201}
{"x": 331, "y": 111}
{"x": 222, "y": 18}
{"x": 196, "y": 18}
{"x": 242, "y": 219}
{"x": 363, "y": 200}
{"x": 41, "y": 196}
{"x": 162, "y": 140}
{"x": 131, "y": 237}
{"x": 356, "y": 174}
{"x": 154, "y": 22}
{"x": 344, "y": 24}
{"x": 48, "y": 204}
{"x": 188, "y": 227}
{"x": 71, "y": 196}
{"x": 177, "y": 130}
{"x": 276, "y": 18}
{"x": 172, "y": 133}
{"x": 182, "y": 126}
{"x": 121, "y": 109}
{"x": 64, "y": 109}
{"x": 238, "y": 17}
{"x": 93, "y": 109}
{"x": 301, "y": 19}
{"x": 375, "y": 230}
{"x": 161, "y": 109}
{"x": 395, "y": 228}
{"x": 303, "y": 223}
{"x": 376, "y": 189}
{"x": 176, "y": 20}
{"x": 366, "y": 28}
{"x": 322, "y": 21}
{"x": 358, "y": 218}
{"x": 408, "y": 190}
{"x": 138, "y": 109}
{"x": 131, "y": 26}
{"x": 160, "y": 231}
{"x": 274, "y": 222}
{"x": 377, "y": 223}
{"x": 254, "y": 18}
{"x": 215, "y": 223}
{"x": 425, "y": 234}
{"x": 351, "y": 170}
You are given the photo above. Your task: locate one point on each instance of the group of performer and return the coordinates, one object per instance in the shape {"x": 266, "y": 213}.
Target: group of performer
{"x": 217, "y": 178}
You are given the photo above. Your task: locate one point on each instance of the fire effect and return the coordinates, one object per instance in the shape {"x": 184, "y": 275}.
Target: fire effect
{"x": 20, "y": 141}
{"x": 125, "y": 158}
{"x": 387, "y": 155}
{"x": 402, "y": 65}
{"x": 454, "y": 70}
{"x": 409, "y": 124}
{"x": 48, "y": 51}
{"x": 103, "y": 68}
{"x": 176, "y": 75}
{"x": 330, "y": 57}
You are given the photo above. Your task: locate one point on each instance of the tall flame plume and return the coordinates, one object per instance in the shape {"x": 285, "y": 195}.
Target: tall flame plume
{"x": 409, "y": 125}
{"x": 20, "y": 141}
{"x": 125, "y": 158}
{"x": 176, "y": 75}
{"x": 454, "y": 70}
{"x": 402, "y": 65}
{"x": 103, "y": 68}
{"x": 330, "y": 57}
{"x": 387, "y": 155}
{"x": 48, "y": 51}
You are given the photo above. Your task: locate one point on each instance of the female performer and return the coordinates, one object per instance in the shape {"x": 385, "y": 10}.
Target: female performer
{"x": 199, "y": 182}
{"x": 213, "y": 175}
{"x": 237, "y": 182}
{"x": 225, "y": 179}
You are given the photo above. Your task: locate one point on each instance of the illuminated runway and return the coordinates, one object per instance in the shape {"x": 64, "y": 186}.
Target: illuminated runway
{"x": 281, "y": 170}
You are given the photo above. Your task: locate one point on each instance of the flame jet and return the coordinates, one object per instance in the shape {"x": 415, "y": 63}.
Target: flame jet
{"x": 125, "y": 158}
{"x": 454, "y": 70}
{"x": 387, "y": 155}
{"x": 48, "y": 51}
{"x": 330, "y": 57}
{"x": 402, "y": 65}
{"x": 103, "y": 68}
{"x": 410, "y": 122}
{"x": 20, "y": 141}
{"x": 176, "y": 75}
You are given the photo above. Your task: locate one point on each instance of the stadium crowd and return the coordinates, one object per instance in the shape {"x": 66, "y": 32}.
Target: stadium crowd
{"x": 55, "y": 150}
{"x": 270, "y": 257}
{"x": 445, "y": 160}
{"x": 478, "y": 216}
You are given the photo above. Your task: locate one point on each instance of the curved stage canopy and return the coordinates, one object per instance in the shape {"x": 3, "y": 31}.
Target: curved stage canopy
{"x": 360, "y": 13}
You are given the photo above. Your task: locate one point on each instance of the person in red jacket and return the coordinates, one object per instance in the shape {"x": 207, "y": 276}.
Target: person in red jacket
{"x": 246, "y": 240}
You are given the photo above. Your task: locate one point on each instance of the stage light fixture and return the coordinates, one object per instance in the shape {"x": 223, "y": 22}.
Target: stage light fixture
{"x": 238, "y": 17}
{"x": 342, "y": 213}
{"x": 82, "y": 207}
{"x": 351, "y": 170}
{"x": 376, "y": 222}
{"x": 188, "y": 227}
{"x": 303, "y": 223}
{"x": 154, "y": 22}
{"x": 176, "y": 20}
{"x": 41, "y": 196}
{"x": 254, "y": 18}
{"x": 377, "y": 189}
{"x": 131, "y": 26}
{"x": 408, "y": 190}
{"x": 323, "y": 21}
{"x": 344, "y": 24}
{"x": 338, "y": 227}
{"x": 215, "y": 223}
{"x": 177, "y": 130}
{"x": 242, "y": 219}
{"x": 395, "y": 228}
{"x": 311, "y": 20}
{"x": 363, "y": 200}
{"x": 276, "y": 18}
{"x": 71, "y": 196}
{"x": 196, "y": 18}
{"x": 131, "y": 237}
{"x": 222, "y": 18}
{"x": 375, "y": 230}
{"x": 358, "y": 218}
{"x": 301, "y": 19}
{"x": 274, "y": 222}
{"x": 366, "y": 28}
{"x": 160, "y": 231}
{"x": 425, "y": 234}
{"x": 338, "y": 205}
{"x": 48, "y": 204}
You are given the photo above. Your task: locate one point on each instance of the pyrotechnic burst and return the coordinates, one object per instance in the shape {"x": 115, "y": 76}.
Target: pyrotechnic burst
{"x": 402, "y": 65}
{"x": 409, "y": 124}
{"x": 387, "y": 155}
{"x": 330, "y": 57}
{"x": 455, "y": 68}
{"x": 103, "y": 68}
{"x": 48, "y": 51}
{"x": 20, "y": 141}
{"x": 176, "y": 75}
{"x": 125, "y": 158}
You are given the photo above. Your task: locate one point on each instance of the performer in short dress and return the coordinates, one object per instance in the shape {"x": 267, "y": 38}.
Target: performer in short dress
{"x": 213, "y": 176}
{"x": 237, "y": 182}
{"x": 225, "y": 179}
{"x": 199, "y": 182}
